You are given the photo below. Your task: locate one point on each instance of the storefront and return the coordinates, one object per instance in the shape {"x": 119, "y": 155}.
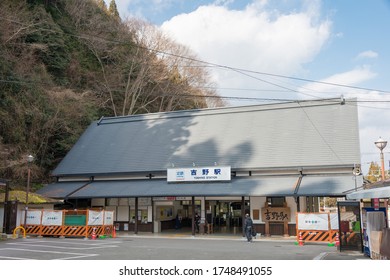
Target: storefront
{"x": 158, "y": 171}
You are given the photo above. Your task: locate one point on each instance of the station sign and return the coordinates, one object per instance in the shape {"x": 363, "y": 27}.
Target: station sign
{"x": 199, "y": 174}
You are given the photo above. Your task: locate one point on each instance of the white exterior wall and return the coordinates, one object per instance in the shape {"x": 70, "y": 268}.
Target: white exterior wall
{"x": 256, "y": 202}
{"x": 293, "y": 209}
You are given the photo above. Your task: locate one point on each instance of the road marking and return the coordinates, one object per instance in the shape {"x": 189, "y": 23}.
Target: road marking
{"x": 320, "y": 256}
{"x": 13, "y": 258}
{"x": 81, "y": 242}
{"x": 61, "y": 247}
{"x": 74, "y": 255}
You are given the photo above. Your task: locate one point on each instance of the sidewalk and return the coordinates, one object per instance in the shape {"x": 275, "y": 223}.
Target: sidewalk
{"x": 188, "y": 235}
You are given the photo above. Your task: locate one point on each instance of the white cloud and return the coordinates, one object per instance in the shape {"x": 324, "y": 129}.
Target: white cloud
{"x": 350, "y": 78}
{"x": 367, "y": 54}
{"x": 253, "y": 38}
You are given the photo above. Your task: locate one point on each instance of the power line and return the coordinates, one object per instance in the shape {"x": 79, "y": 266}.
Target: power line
{"x": 212, "y": 96}
{"x": 235, "y": 69}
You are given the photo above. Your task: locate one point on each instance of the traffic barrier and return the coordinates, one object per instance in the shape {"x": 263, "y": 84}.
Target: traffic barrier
{"x": 72, "y": 223}
{"x": 317, "y": 227}
{"x": 19, "y": 227}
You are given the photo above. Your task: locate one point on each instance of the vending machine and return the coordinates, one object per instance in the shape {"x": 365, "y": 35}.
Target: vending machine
{"x": 373, "y": 220}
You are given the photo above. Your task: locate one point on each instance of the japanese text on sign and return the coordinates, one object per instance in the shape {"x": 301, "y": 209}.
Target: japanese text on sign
{"x": 214, "y": 173}
{"x": 272, "y": 214}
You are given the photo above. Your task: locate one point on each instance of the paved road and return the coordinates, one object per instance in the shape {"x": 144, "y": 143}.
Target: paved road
{"x": 167, "y": 248}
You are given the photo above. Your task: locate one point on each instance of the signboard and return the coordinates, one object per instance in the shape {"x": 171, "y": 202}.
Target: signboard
{"x": 108, "y": 217}
{"x": 52, "y": 218}
{"x": 199, "y": 174}
{"x": 316, "y": 221}
{"x": 33, "y": 217}
{"x": 95, "y": 218}
{"x": 334, "y": 221}
{"x": 275, "y": 214}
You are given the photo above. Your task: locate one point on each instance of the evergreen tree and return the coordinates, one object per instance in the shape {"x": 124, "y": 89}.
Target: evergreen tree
{"x": 113, "y": 10}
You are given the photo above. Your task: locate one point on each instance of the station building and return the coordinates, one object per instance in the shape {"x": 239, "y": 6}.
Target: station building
{"x": 156, "y": 171}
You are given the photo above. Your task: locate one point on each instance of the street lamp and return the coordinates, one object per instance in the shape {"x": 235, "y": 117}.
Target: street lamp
{"x": 30, "y": 159}
{"x": 381, "y": 144}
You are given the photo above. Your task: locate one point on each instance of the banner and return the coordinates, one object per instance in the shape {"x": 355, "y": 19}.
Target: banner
{"x": 52, "y": 218}
{"x": 95, "y": 218}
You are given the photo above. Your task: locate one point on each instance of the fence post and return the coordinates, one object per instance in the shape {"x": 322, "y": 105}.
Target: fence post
{"x": 297, "y": 226}
{"x": 86, "y": 222}
{"x": 330, "y": 239}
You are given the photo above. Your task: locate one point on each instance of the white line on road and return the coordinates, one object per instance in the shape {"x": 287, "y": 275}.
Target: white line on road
{"x": 61, "y": 247}
{"x": 321, "y": 256}
{"x": 76, "y": 255}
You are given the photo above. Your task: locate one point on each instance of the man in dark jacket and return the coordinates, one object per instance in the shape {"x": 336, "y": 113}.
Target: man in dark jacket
{"x": 197, "y": 222}
{"x": 248, "y": 227}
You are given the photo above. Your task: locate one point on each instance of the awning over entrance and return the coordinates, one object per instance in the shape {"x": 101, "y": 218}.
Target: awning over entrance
{"x": 383, "y": 192}
{"x": 239, "y": 186}
{"x": 61, "y": 189}
{"x": 265, "y": 186}
{"x": 328, "y": 185}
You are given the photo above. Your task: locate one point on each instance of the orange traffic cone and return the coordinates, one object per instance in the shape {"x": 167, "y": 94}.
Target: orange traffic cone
{"x": 337, "y": 241}
{"x": 113, "y": 232}
{"x": 300, "y": 239}
{"x": 93, "y": 234}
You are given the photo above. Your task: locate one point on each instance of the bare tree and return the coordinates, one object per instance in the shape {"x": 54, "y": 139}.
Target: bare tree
{"x": 185, "y": 79}
{"x": 141, "y": 67}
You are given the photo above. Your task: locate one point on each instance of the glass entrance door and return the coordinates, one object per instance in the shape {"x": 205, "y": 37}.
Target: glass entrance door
{"x": 227, "y": 216}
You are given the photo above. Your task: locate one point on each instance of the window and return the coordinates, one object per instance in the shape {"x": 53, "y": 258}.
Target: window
{"x": 276, "y": 201}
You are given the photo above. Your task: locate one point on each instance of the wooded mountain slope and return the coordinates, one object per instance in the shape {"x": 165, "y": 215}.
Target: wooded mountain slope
{"x": 65, "y": 63}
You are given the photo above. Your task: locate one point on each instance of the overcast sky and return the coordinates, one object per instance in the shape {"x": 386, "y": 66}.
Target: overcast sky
{"x": 340, "y": 42}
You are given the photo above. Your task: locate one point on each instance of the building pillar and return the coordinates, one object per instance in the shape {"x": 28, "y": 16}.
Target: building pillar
{"x": 193, "y": 215}
{"x": 243, "y": 214}
{"x": 136, "y": 216}
{"x": 202, "y": 225}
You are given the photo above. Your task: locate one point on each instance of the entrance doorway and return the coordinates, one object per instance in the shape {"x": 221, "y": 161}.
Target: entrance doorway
{"x": 226, "y": 216}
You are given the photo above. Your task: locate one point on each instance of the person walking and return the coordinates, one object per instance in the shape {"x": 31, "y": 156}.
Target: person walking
{"x": 197, "y": 222}
{"x": 248, "y": 227}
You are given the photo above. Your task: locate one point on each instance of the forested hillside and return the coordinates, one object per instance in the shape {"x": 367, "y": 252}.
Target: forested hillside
{"x": 65, "y": 63}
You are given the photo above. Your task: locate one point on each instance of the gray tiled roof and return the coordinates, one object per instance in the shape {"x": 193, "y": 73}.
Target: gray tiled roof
{"x": 309, "y": 133}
